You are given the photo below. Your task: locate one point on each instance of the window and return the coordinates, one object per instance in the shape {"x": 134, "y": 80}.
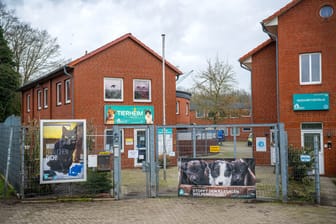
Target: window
{"x": 326, "y": 11}
{"x": 67, "y": 91}
{"x": 109, "y": 140}
{"x": 310, "y": 68}
{"x": 246, "y": 129}
{"x": 113, "y": 89}
{"x": 45, "y": 97}
{"x": 39, "y": 99}
{"x": 177, "y": 107}
{"x": 199, "y": 114}
{"x": 234, "y": 131}
{"x": 142, "y": 90}
{"x": 28, "y": 103}
{"x": 187, "y": 108}
{"x": 59, "y": 94}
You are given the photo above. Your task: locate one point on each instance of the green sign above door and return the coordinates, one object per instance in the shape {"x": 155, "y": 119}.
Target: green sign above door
{"x": 312, "y": 101}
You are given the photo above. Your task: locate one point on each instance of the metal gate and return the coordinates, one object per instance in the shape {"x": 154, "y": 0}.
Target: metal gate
{"x": 166, "y": 145}
{"x": 224, "y": 142}
{"x": 140, "y": 180}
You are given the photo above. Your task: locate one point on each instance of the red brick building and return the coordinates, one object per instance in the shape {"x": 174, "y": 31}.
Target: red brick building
{"x": 183, "y": 107}
{"x": 124, "y": 74}
{"x": 293, "y": 75}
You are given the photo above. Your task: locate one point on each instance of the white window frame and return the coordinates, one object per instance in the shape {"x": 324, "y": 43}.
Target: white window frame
{"x": 236, "y": 128}
{"x": 109, "y": 148}
{"x": 177, "y": 107}
{"x": 187, "y": 109}
{"x": 67, "y": 91}
{"x": 59, "y": 94}
{"x": 45, "y": 97}
{"x": 246, "y": 129}
{"x": 39, "y": 99}
{"x": 116, "y": 82}
{"x": 28, "y": 103}
{"x": 310, "y": 82}
{"x": 149, "y": 90}
{"x": 226, "y": 131}
{"x": 200, "y": 114}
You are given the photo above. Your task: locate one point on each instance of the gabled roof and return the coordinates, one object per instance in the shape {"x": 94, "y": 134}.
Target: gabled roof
{"x": 282, "y": 10}
{"x": 70, "y": 66}
{"x": 270, "y": 26}
{"x": 247, "y": 58}
{"x": 115, "y": 42}
{"x": 271, "y": 22}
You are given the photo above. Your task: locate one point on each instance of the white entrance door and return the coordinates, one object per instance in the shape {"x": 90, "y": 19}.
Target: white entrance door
{"x": 140, "y": 144}
{"x": 307, "y": 140}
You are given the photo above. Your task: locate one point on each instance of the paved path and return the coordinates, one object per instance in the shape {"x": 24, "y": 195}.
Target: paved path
{"x": 328, "y": 191}
{"x": 165, "y": 210}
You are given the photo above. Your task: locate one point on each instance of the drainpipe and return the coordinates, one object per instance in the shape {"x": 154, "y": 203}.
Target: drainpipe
{"x": 250, "y": 98}
{"x": 72, "y": 90}
{"x": 275, "y": 37}
{"x": 283, "y": 144}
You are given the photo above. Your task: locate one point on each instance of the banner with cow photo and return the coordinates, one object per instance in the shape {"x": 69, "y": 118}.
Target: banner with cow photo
{"x": 203, "y": 177}
{"x": 62, "y": 151}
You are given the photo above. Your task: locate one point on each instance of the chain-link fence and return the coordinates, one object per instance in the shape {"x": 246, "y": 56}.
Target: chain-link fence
{"x": 10, "y": 153}
{"x": 99, "y": 180}
{"x": 20, "y": 159}
{"x": 224, "y": 142}
{"x": 305, "y": 163}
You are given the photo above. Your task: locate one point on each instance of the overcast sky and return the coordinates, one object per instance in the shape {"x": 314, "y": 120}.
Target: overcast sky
{"x": 196, "y": 30}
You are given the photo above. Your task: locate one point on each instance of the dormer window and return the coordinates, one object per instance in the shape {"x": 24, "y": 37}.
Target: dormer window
{"x": 326, "y": 11}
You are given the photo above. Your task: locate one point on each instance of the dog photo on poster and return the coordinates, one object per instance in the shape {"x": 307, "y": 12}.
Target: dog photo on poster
{"x": 203, "y": 177}
{"x": 62, "y": 151}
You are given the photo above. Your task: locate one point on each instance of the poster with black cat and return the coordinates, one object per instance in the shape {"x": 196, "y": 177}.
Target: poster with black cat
{"x": 62, "y": 151}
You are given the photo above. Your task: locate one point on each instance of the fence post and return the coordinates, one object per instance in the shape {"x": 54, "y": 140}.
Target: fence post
{"x": 152, "y": 162}
{"x": 284, "y": 162}
{"x": 317, "y": 170}
{"x": 23, "y": 140}
{"x": 8, "y": 159}
{"x": 277, "y": 161}
{"x": 194, "y": 141}
{"x": 116, "y": 162}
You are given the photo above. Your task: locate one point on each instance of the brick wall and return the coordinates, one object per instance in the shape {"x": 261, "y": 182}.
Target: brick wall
{"x": 302, "y": 30}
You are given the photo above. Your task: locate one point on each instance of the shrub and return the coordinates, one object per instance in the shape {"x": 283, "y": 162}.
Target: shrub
{"x": 97, "y": 182}
{"x": 300, "y": 168}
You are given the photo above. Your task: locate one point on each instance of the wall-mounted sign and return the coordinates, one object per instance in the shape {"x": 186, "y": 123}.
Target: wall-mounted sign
{"x": 312, "y": 101}
{"x": 128, "y": 114}
{"x": 261, "y": 144}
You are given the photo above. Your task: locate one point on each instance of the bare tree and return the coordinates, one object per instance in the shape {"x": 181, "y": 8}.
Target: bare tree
{"x": 211, "y": 92}
{"x": 34, "y": 51}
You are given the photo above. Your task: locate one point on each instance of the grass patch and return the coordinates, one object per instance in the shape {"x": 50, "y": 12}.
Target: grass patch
{"x": 10, "y": 191}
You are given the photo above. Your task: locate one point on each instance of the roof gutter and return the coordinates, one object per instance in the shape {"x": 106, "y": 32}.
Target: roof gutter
{"x": 275, "y": 37}
{"x": 245, "y": 66}
{"x": 72, "y": 90}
